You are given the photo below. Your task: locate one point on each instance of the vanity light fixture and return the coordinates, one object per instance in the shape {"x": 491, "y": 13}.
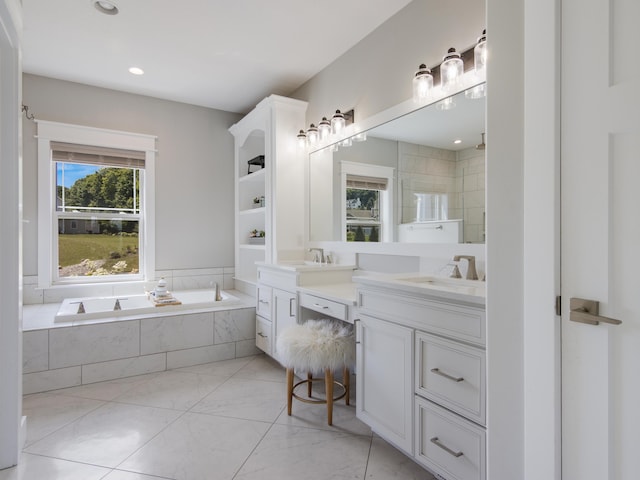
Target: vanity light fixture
{"x": 451, "y": 70}
{"x": 360, "y": 137}
{"x": 338, "y": 122}
{"x": 422, "y": 84}
{"x": 108, "y": 7}
{"x": 302, "y": 139}
{"x": 446, "y": 104}
{"x": 324, "y": 128}
{"x": 480, "y": 54}
{"x": 312, "y": 134}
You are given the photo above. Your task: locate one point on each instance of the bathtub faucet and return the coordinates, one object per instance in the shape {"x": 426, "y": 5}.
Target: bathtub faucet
{"x": 218, "y": 296}
{"x": 117, "y": 305}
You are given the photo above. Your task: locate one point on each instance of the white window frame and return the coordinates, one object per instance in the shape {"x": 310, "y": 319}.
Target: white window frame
{"x": 47, "y": 219}
{"x": 386, "y": 210}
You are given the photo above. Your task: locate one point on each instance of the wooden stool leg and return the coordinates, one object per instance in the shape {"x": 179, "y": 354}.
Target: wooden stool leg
{"x": 309, "y": 384}
{"x": 346, "y": 380}
{"x": 289, "y": 390}
{"x": 328, "y": 382}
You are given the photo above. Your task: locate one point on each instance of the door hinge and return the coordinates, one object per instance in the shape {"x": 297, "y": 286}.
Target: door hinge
{"x": 558, "y": 305}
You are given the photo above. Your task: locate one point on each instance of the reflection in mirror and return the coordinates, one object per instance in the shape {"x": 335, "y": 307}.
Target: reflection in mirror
{"x": 418, "y": 178}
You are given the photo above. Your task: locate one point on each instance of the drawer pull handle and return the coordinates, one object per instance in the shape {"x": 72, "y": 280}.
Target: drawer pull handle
{"x": 262, "y": 334}
{"x": 450, "y": 377}
{"x": 445, "y": 448}
{"x": 320, "y": 306}
{"x": 264, "y": 301}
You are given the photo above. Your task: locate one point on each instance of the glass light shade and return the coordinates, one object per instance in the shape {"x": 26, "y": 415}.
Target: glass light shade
{"x": 360, "y": 137}
{"x": 324, "y": 128}
{"x": 446, "y": 104}
{"x": 302, "y": 139}
{"x": 451, "y": 70}
{"x": 422, "y": 84}
{"x": 347, "y": 142}
{"x": 480, "y": 54}
{"x": 478, "y": 91}
{"x": 338, "y": 122}
{"x": 312, "y": 135}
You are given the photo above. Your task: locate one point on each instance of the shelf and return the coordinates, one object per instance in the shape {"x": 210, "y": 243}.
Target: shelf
{"x": 246, "y": 246}
{"x": 257, "y": 176}
{"x": 253, "y": 211}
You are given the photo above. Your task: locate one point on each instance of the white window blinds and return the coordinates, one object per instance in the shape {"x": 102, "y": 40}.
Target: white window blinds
{"x": 366, "y": 183}
{"x": 103, "y": 156}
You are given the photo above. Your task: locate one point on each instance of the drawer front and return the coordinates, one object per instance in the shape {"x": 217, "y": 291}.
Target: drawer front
{"x": 448, "y": 444}
{"x": 263, "y": 334}
{"x": 449, "y": 319}
{"x": 324, "y": 306}
{"x": 263, "y": 305}
{"x": 452, "y": 375}
{"x": 278, "y": 279}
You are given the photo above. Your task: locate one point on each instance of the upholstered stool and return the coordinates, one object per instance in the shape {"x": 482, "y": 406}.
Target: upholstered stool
{"x": 314, "y": 347}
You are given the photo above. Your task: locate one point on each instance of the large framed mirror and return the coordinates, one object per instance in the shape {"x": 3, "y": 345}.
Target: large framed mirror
{"x": 419, "y": 178}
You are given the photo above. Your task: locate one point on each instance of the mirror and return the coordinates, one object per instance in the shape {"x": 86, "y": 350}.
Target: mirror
{"x": 407, "y": 181}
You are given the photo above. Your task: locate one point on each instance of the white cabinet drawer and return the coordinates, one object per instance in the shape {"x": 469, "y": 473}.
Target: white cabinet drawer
{"x": 322, "y": 305}
{"x": 448, "y": 444}
{"x": 461, "y": 322}
{"x": 263, "y": 305}
{"x": 452, "y": 375}
{"x": 263, "y": 334}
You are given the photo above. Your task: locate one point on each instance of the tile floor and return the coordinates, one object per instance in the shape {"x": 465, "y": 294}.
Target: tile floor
{"x": 222, "y": 420}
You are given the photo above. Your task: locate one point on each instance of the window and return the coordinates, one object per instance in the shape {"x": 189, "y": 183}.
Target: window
{"x": 99, "y": 210}
{"x": 367, "y": 212}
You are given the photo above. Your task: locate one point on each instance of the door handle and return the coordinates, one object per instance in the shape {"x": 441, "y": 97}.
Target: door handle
{"x": 586, "y": 311}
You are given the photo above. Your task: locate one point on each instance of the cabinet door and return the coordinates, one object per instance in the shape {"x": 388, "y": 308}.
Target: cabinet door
{"x": 384, "y": 380}
{"x": 284, "y": 313}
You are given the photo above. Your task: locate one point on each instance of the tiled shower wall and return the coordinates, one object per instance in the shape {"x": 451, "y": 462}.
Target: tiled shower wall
{"x": 461, "y": 175}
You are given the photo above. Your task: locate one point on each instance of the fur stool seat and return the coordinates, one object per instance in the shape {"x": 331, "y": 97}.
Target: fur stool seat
{"x": 314, "y": 347}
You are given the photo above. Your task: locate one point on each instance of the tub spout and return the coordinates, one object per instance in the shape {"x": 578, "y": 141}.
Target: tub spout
{"x": 81, "y": 308}
{"x": 218, "y": 296}
{"x": 117, "y": 305}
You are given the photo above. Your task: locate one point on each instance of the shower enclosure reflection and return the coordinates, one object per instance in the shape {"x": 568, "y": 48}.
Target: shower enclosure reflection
{"x": 428, "y": 169}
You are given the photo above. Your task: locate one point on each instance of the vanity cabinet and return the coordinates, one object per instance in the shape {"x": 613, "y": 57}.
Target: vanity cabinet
{"x": 421, "y": 382}
{"x": 384, "y": 380}
{"x": 284, "y": 315}
{"x": 269, "y": 168}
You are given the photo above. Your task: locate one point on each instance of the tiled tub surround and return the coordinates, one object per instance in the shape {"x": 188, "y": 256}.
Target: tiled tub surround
{"x": 64, "y": 354}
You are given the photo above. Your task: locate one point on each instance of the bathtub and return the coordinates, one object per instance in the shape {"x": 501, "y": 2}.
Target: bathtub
{"x": 105, "y": 307}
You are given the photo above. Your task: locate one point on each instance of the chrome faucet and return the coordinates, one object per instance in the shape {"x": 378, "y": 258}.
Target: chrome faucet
{"x": 471, "y": 269}
{"x": 319, "y": 255}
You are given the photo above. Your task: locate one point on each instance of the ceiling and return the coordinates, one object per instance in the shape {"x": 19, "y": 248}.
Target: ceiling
{"x": 223, "y": 54}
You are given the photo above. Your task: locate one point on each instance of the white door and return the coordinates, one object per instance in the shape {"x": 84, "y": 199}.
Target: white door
{"x": 600, "y": 237}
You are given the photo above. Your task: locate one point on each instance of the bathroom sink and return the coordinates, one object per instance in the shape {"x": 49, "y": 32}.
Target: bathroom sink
{"x": 459, "y": 285}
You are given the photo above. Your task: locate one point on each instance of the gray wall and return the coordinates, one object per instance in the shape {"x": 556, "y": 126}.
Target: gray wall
{"x": 194, "y": 166}
{"x": 376, "y": 74}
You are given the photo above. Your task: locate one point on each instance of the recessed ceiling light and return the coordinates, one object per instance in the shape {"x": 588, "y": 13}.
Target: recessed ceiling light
{"x": 457, "y": 141}
{"x": 108, "y": 7}
{"x": 136, "y": 71}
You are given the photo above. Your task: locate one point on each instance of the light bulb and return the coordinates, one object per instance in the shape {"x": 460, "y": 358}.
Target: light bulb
{"x": 422, "y": 84}
{"x": 451, "y": 70}
{"x": 338, "y": 123}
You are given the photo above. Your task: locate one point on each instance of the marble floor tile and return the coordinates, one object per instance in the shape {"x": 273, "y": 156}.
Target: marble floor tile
{"x": 315, "y": 416}
{"x": 292, "y": 453}
{"x": 262, "y": 367}
{"x": 243, "y": 398}
{"x": 198, "y": 447}
{"x": 47, "y": 413}
{"x": 35, "y": 467}
{"x": 224, "y": 368}
{"x": 107, "y": 435}
{"x": 388, "y": 463}
{"x": 105, "y": 390}
{"x": 175, "y": 390}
